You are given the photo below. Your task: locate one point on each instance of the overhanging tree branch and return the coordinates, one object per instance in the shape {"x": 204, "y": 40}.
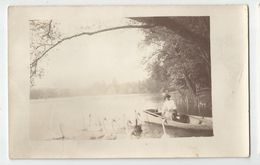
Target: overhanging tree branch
{"x": 89, "y": 34}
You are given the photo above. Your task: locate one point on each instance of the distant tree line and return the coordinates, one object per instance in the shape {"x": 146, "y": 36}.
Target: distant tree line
{"x": 98, "y": 88}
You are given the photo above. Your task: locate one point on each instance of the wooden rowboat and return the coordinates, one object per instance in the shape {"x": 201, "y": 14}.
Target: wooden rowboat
{"x": 193, "y": 123}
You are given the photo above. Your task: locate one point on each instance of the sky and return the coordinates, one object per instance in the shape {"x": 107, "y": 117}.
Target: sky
{"x": 104, "y": 57}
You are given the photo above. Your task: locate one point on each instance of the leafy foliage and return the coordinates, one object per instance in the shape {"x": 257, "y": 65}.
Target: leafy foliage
{"x": 181, "y": 62}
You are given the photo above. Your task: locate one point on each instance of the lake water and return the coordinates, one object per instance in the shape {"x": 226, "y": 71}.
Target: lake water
{"x": 96, "y": 117}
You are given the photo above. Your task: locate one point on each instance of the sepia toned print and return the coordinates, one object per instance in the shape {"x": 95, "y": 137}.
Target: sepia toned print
{"x": 135, "y": 78}
{"x": 161, "y": 81}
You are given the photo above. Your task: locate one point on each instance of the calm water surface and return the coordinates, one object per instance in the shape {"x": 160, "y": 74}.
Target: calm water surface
{"x": 96, "y": 117}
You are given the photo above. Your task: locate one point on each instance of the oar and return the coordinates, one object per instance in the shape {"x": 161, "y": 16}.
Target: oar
{"x": 165, "y": 135}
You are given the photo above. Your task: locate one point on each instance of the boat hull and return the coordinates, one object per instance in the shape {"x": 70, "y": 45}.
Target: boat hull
{"x": 196, "y": 123}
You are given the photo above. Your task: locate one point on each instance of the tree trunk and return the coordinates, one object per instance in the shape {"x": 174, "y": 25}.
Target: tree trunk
{"x": 190, "y": 84}
{"x": 187, "y": 104}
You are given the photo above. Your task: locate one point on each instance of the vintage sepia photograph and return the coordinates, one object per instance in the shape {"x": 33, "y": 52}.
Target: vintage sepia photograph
{"x": 161, "y": 81}
{"x": 134, "y": 78}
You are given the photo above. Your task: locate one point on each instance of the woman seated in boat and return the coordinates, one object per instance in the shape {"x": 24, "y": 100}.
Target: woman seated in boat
{"x": 169, "y": 107}
{"x": 169, "y": 111}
